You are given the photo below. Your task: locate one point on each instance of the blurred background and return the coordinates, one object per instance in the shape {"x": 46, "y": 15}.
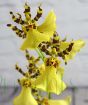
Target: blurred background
{"x": 72, "y": 21}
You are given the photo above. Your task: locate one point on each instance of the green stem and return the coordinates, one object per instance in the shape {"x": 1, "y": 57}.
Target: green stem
{"x": 40, "y": 54}
{"x": 49, "y": 95}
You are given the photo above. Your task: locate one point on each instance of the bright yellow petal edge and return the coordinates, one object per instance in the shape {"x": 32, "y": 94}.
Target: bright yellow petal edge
{"x": 67, "y": 101}
{"x": 49, "y": 24}
{"x": 42, "y": 33}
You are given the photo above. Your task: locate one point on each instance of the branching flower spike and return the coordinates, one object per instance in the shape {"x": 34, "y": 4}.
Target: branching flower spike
{"x": 43, "y": 72}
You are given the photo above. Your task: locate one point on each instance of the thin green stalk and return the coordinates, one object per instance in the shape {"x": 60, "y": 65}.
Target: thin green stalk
{"x": 49, "y": 95}
{"x": 40, "y": 54}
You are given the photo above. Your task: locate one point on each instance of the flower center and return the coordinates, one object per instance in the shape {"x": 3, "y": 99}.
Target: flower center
{"x": 52, "y": 62}
{"x": 25, "y": 82}
{"x": 30, "y": 25}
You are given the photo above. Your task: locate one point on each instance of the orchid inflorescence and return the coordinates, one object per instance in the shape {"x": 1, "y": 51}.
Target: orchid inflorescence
{"x": 47, "y": 76}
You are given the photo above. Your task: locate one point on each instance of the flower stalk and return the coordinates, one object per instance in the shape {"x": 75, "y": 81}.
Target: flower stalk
{"x": 41, "y": 55}
{"x": 49, "y": 96}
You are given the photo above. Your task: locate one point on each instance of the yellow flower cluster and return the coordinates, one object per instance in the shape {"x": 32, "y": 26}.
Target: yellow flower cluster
{"x": 26, "y": 97}
{"x": 47, "y": 76}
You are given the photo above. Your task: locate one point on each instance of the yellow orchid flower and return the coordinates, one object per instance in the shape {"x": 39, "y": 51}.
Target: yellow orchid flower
{"x": 77, "y": 45}
{"x": 25, "y": 97}
{"x": 41, "y": 33}
{"x": 33, "y": 33}
{"x": 50, "y": 80}
{"x": 67, "y": 101}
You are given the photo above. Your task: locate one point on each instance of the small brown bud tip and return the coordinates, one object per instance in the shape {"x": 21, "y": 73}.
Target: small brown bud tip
{"x": 18, "y": 80}
{"x": 65, "y": 63}
{"x": 8, "y": 25}
{"x": 40, "y": 8}
{"x": 11, "y": 12}
{"x": 26, "y": 51}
